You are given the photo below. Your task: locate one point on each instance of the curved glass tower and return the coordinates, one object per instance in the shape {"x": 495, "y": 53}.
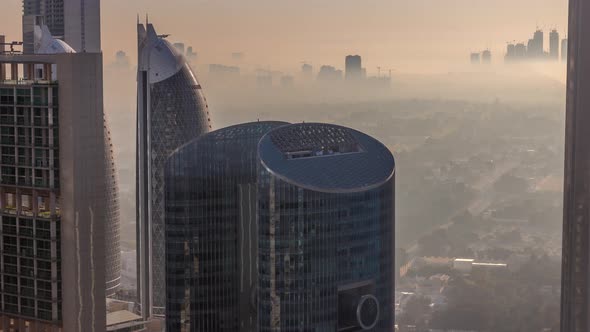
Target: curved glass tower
{"x": 171, "y": 111}
{"x": 326, "y": 230}
{"x": 46, "y": 44}
{"x": 211, "y": 233}
{"x": 113, "y": 223}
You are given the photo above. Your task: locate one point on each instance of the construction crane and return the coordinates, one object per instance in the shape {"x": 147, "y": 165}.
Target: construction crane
{"x": 12, "y": 45}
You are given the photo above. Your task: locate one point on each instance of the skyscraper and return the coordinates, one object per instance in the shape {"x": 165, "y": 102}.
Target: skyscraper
{"x": 535, "y": 46}
{"x": 171, "y": 111}
{"x": 353, "y": 67}
{"x": 54, "y": 196}
{"x": 475, "y": 58}
{"x": 82, "y": 24}
{"x": 211, "y": 233}
{"x": 486, "y": 57}
{"x": 75, "y": 22}
{"x": 554, "y": 45}
{"x": 575, "y": 289}
{"x": 38, "y": 12}
{"x": 45, "y": 43}
{"x": 307, "y": 71}
{"x": 326, "y": 230}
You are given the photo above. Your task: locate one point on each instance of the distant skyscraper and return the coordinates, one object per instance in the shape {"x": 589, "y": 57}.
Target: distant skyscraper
{"x": 307, "y": 71}
{"x": 564, "y": 49}
{"x": 38, "y": 12}
{"x": 510, "y": 53}
{"x": 55, "y": 192}
{"x": 486, "y": 57}
{"x": 121, "y": 60}
{"x": 475, "y": 58}
{"x": 171, "y": 111}
{"x": 326, "y": 230}
{"x": 575, "y": 289}
{"x": 179, "y": 47}
{"x": 554, "y": 45}
{"x": 354, "y": 68}
{"x": 287, "y": 81}
{"x": 520, "y": 51}
{"x": 329, "y": 73}
{"x": 211, "y": 231}
{"x": 190, "y": 54}
{"x": 535, "y": 48}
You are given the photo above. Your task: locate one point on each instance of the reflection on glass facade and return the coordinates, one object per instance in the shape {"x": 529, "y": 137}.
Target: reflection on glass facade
{"x": 326, "y": 230}
{"x": 171, "y": 111}
{"x": 211, "y": 233}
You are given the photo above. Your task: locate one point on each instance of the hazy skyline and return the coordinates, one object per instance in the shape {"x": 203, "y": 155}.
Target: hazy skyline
{"x": 281, "y": 34}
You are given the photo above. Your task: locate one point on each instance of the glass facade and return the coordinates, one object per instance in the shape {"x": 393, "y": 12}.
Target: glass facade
{"x": 326, "y": 230}
{"x": 211, "y": 231}
{"x": 575, "y": 278}
{"x": 178, "y": 114}
{"x": 30, "y": 248}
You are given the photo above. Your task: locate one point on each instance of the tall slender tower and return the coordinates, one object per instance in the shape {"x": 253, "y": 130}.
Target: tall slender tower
{"x": 171, "y": 111}
{"x": 43, "y": 17}
{"x": 575, "y": 291}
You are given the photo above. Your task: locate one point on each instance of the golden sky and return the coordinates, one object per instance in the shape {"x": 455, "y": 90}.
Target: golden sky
{"x": 282, "y": 33}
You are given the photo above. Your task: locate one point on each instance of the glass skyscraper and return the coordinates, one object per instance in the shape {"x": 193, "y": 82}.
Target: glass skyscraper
{"x": 171, "y": 111}
{"x": 326, "y": 230}
{"x": 211, "y": 233}
{"x": 575, "y": 284}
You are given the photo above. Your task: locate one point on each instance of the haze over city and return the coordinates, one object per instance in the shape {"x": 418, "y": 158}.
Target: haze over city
{"x": 409, "y": 36}
{"x": 467, "y": 154}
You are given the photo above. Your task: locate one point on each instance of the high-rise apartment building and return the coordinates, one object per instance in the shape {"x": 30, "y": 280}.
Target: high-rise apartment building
{"x": 486, "y": 57}
{"x": 554, "y": 45}
{"x": 211, "y": 233}
{"x": 171, "y": 111}
{"x": 535, "y": 46}
{"x": 77, "y": 22}
{"x": 54, "y": 196}
{"x": 353, "y": 67}
{"x": 41, "y": 12}
{"x": 325, "y": 230}
{"x": 564, "y": 49}
{"x": 575, "y": 290}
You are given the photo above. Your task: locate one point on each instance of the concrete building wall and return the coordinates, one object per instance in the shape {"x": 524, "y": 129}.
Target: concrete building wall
{"x": 83, "y": 191}
{"x": 82, "y": 25}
